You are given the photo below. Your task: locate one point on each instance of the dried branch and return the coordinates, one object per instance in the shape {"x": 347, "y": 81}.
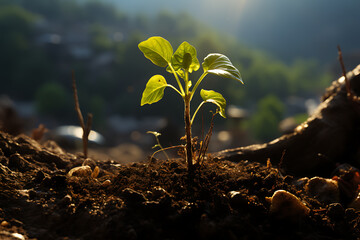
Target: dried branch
{"x": 86, "y": 128}
{"x": 350, "y": 94}
{"x": 347, "y": 83}
{"x": 205, "y": 144}
{"x": 38, "y": 133}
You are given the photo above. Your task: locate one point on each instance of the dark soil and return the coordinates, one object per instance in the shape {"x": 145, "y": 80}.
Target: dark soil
{"x": 156, "y": 200}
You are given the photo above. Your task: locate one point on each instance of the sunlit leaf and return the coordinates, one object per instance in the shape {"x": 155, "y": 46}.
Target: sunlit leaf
{"x": 156, "y": 134}
{"x": 220, "y": 65}
{"x": 185, "y": 57}
{"x": 216, "y": 98}
{"x": 154, "y": 90}
{"x": 179, "y": 72}
{"x": 158, "y": 50}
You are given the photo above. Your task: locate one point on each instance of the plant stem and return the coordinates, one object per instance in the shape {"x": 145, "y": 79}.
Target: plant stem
{"x": 86, "y": 128}
{"x": 189, "y": 153}
{"x": 197, "y": 84}
{"x": 193, "y": 117}
{"x": 177, "y": 79}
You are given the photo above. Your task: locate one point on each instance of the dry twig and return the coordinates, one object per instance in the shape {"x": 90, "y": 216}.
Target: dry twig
{"x": 350, "y": 94}
{"x": 86, "y": 128}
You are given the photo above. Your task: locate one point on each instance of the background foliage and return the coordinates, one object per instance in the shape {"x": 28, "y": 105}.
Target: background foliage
{"x": 43, "y": 41}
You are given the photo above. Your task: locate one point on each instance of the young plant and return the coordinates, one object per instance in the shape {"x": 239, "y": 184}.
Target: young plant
{"x": 156, "y": 135}
{"x": 184, "y": 61}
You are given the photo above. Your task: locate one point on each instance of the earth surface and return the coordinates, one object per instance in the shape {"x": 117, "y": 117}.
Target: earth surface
{"x": 47, "y": 193}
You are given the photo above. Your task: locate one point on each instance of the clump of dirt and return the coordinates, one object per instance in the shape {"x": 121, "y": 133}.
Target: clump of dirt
{"x": 39, "y": 199}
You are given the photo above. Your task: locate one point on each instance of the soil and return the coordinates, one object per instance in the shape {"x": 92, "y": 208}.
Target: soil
{"x": 153, "y": 199}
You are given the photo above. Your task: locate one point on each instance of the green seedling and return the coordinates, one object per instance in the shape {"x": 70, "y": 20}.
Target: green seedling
{"x": 184, "y": 61}
{"x": 156, "y": 134}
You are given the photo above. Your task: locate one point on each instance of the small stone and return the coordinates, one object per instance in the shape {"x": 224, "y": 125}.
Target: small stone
{"x": 89, "y": 162}
{"x": 106, "y": 183}
{"x": 324, "y": 189}
{"x": 301, "y": 182}
{"x": 17, "y": 236}
{"x": 81, "y": 171}
{"x": 238, "y": 199}
{"x": 285, "y": 205}
{"x": 66, "y": 200}
{"x": 336, "y": 211}
{"x": 350, "y": 214}
{"x": 5, "y": 224}
{"x": 355, "y": 203}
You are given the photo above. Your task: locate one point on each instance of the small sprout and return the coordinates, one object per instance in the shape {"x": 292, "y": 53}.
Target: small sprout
{"x": 156, "y": 134}
{"x": 184, "y": 61}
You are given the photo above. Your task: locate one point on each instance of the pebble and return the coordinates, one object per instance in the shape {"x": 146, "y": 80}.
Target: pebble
{"x": 355, "y": 204}
{"x": 323, "y": 189}
{"x": 66, "y": 200}
{"x": 336, "y": 211}
{"x": 89, "y": 162}
{"x": 285, "y": 205}
{"x": 5, "y": 224}
{"x": 81, "y": 171}
{"x": 238, "y": 199}
{"x": 106, "y": 183}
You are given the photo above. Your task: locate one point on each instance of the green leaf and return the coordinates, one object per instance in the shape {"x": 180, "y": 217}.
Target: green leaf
{"x": 216, "y": 98}
{"x": 158, "y": 50}
{"x": 218, "y": 64}
{"x": 154, "y": 90}
{"x": 185, "y": 58}
{"x": 156, "y": 134}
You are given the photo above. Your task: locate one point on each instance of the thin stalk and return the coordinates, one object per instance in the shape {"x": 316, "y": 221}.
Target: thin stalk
{"x": 347, "y": 83}
{"x": 161, "y": 148}
{"x": 177, "y": 80}
{"x": 86, "y": 128}
{"x": 171, "y": 86}
{"x": 197, "y": 84}
{"x": 164, "y": 149}
{"x": 187, "y": 82}
{"x": 193, "y": 117}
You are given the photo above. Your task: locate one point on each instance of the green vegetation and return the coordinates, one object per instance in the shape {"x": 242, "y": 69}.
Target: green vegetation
{"x": 184, "y": 61}
{"x": 265, "y": 121}
{"x": 36, "y": 50}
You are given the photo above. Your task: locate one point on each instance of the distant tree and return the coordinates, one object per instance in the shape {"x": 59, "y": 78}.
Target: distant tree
{"x": 264, "y": 123}
{"x": 53, "y": 100}
{"x": 18, "y": 55}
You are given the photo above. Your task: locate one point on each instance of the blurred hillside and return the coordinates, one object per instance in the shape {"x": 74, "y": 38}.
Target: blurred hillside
{"x": 43, "y": 41}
